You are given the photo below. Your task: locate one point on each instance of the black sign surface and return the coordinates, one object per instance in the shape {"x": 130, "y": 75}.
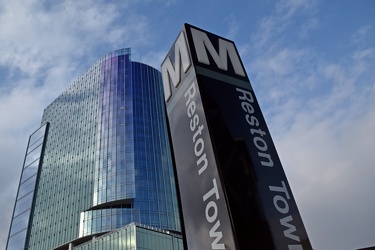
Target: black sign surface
{"x": 233, "y": 190}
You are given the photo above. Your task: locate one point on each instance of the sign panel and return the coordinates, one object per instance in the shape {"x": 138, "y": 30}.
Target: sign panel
{"x": 233, "y": 190}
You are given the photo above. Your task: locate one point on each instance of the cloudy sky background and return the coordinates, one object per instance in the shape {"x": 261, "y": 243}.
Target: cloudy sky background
{"x": 311, "y": 64}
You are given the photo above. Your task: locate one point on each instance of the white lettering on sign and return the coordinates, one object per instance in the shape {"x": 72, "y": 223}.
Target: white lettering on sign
{"x": 171, "y": 67}
{"x": 212, "y": 196}
{"x": 181, "y": 56}
{"x": 282, "y": 206}
{"x": 211, "y": 206}
{"x": 203, "y": 45}
{"x": 246, "y": 103}
{"x": 280, "y": 199}
{"x": 202, "y": 161}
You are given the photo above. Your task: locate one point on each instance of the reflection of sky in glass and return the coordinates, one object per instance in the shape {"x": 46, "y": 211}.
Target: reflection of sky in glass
{"x": 107, "y": 160}
{"x": 133, "y": 178}
{"x": 24, "y": 200}
{"x": 114, "y": 153}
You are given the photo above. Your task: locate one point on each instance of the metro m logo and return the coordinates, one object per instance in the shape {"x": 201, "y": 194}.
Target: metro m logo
{"x": 203, "y": 44}
{"x": 172, "y": 73}
{"x": 181, "y": 55}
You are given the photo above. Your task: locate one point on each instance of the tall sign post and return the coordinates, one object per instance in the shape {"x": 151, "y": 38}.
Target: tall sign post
{"x": 233, "y": 190}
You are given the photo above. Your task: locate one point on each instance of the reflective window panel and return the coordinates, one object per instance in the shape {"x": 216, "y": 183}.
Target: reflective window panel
{"x": 21, "y": 214}
{"x": 107, "y": 161}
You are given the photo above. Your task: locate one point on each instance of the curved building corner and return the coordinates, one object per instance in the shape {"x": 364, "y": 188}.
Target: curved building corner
{"x": 106, "y": 160}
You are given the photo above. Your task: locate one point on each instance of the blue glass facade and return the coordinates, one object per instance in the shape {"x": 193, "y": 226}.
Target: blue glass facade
{"x": 133, "y": 178}
{"x": 26, "y": 190}
{"x": 107, "y": 159}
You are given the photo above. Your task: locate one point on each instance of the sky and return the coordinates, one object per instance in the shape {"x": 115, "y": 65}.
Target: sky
{"x": 311, "y": 64}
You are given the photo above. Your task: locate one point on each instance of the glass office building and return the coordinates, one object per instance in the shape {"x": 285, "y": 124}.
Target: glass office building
{"x": 99, "y": 168}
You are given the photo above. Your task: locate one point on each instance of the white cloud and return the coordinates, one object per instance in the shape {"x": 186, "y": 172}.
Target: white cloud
{"x": 35, "y": 38}
{"x": 321, "y": 113}
{"x": 153, "y": 59}
{"x": 368, "y": 53}
{"x": 274, "y": 25}
{"x": 309, "y": 25}
{"x": 329, "y": 162}
{"x": 233, "y": 26}
{"x": 288, "y": 8}
{"x": 358, "y": 38}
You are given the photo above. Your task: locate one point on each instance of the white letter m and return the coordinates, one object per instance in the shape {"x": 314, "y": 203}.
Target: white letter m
{"x": 181, "y": 55}
{"x": 202, "y": 42}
